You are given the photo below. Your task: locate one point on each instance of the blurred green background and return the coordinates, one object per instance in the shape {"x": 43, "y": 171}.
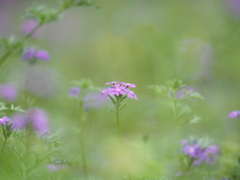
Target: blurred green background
{"x": 141, "y": 42}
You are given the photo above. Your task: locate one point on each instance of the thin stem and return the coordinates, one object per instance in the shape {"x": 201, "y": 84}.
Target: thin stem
{"x": 83, "y": 156}
{"x": 118, "y": 122}
{"x": 82, "y": 146}
{"x": 4, "y": 143}
{"x": 175, "y": 112}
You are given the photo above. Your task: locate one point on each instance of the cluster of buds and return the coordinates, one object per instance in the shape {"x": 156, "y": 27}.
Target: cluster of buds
{"x": 120, "y": 89}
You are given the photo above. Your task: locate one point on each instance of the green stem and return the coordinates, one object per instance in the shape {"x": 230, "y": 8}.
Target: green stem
{"x": 4, "y": 143}
{"x": 83, "y": 156}
{"x": 118, "y": 122}
{"x": 82, "y": 145}
{"x": 175, "y": 112}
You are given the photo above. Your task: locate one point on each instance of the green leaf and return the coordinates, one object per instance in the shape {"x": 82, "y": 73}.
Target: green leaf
{"x": 42, "y": 14}
{"x": 196, "y": 119}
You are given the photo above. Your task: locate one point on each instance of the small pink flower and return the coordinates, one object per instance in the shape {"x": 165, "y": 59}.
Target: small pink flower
{"x": 4, "y": 119}
{"x": 129, "y": 85}
{"x": 120, "y": 88}
{"x": 132, "y": 95}
{"x": 234, "y": 114}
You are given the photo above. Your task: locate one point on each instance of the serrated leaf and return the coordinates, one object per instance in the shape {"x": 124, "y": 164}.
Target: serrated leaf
{"x": 196, "y": 119}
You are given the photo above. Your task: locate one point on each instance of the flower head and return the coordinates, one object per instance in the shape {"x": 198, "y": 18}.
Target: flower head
{"x": 234, "y": 114}
{"x": 29, "y": 25}
{"x": 119, "y": 88}
{"x": 42, "y": 54}
{"x": 31, "y": 54}
{"x": 191, "y": 150}
{"x": 4, "y": 119}
{"x": 200, "y": 153}
{"x": 74, "y": 91}
{"x": 35, "y": 118}
{"x": 132, "y": 95}
{"x": 28, "y": 53}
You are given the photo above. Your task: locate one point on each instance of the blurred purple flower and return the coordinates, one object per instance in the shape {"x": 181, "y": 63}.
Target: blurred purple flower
{"x": 201, "y": 154}
{"x": 8, "y": 91}
{"x": 30, "y": 53}
{"x": 235, "y": 6}
{"x": 191, "y": 150}
{"x": 234, "y": 114}
{"x": 56, "y": 166}
{"x": 74, "y": 91}
{"x": 4, "y": 119}
{"x": 29, "y": 25}
{"x": 132, "y": 95}
{"x": 42, "y": 54}
{"x": 42, "y": 81}
{"x": 35, "y": 118}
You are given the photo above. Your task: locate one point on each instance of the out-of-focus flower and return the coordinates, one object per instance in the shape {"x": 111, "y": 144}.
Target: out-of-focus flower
{"x": 132, "y": 95}
{"x": 199, "y": 153}
{"x": 74, "y": 91}
{"x": 35, "y": 118}
{"x": 235, "y": 6}
{"x": 29, "y": 25}
{"x": 56, "y": 166}
{"x": 28, "y": 53}
{"x": 31, "y": 54}
{"x": 119, "y": 88}
{"x": 4, "y": 119}
{"x": 234, "y": 114}
{"x": 42, "y": 81}
{"x": 191, "y": 150}
{"x": 42, "y": 54}
{"x": 8, "y": 91}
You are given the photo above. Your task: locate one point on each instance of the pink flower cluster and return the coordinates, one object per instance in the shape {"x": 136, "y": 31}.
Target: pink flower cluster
{"x": 120, "y": 88}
